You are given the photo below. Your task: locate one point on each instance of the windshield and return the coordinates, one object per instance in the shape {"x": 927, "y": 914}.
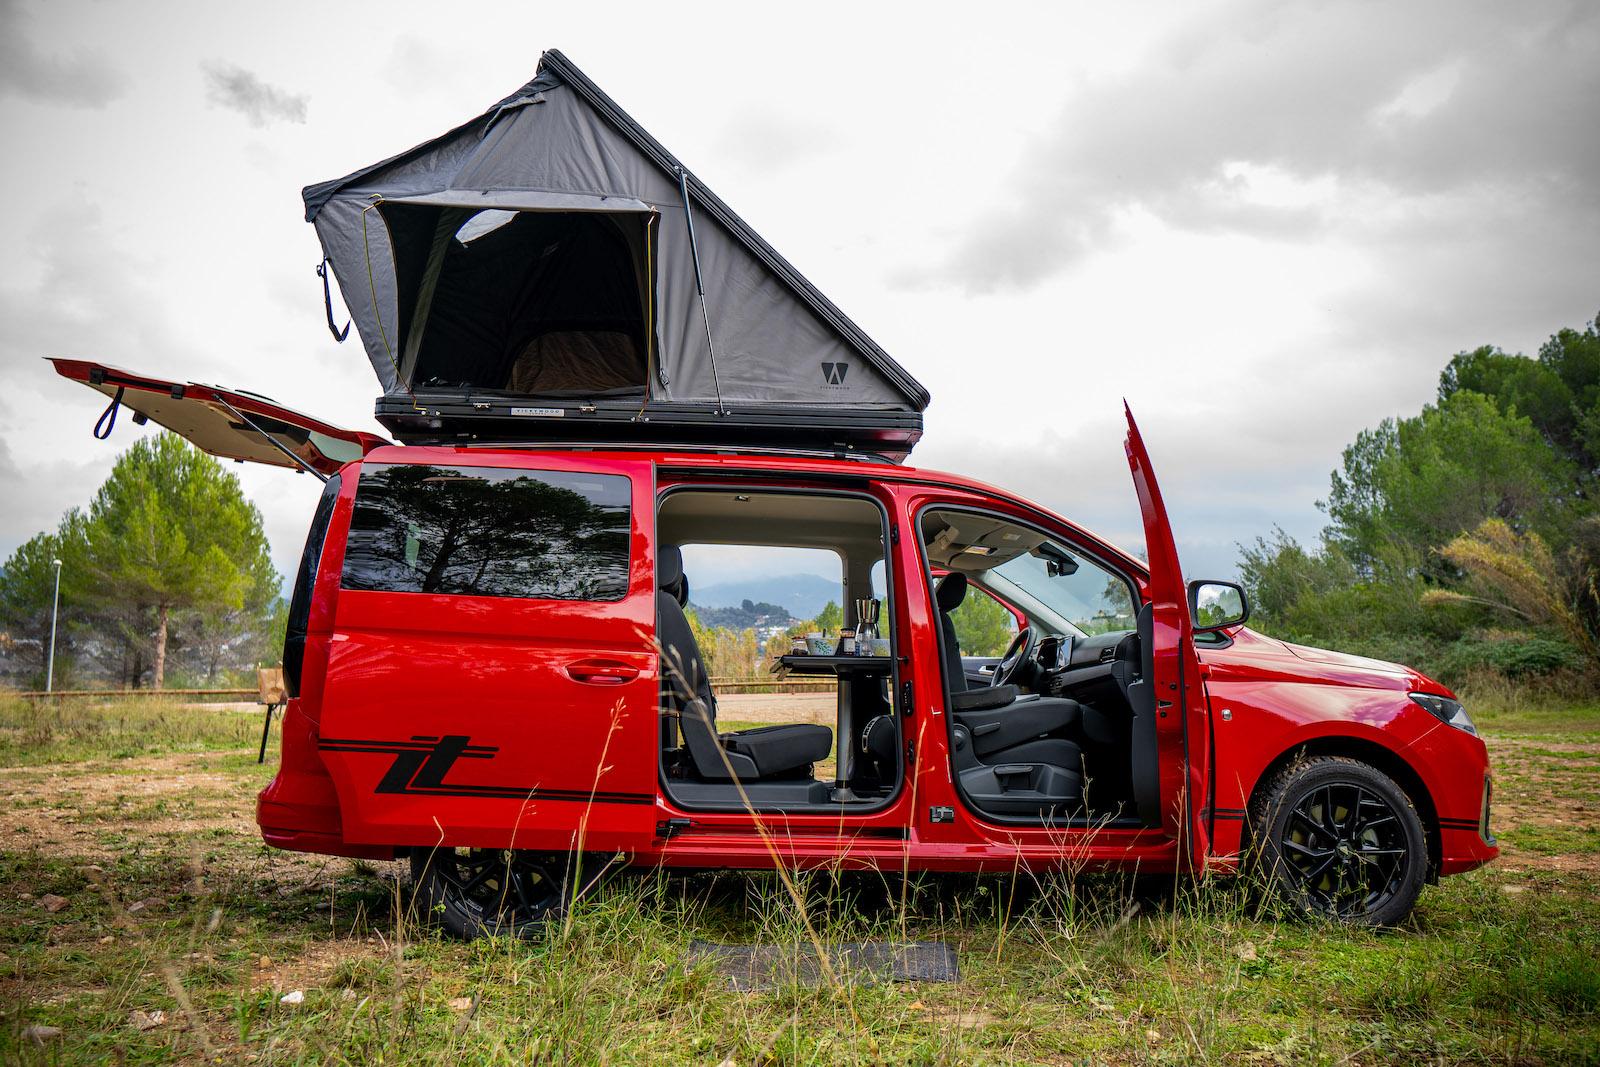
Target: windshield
{"x": 1091, "y": 600}
{"x": 1063, "y": 590}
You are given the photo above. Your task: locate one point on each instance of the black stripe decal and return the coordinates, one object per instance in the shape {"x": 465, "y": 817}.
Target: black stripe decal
{"x": 421, "y": 764}
{"x": 497, "y": 792}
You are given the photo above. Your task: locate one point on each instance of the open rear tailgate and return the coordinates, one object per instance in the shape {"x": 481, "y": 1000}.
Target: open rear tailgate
{"x": 223, "y": 422}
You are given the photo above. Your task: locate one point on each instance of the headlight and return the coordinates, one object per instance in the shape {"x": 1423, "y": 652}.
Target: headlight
{"x": 1446, "y": 710}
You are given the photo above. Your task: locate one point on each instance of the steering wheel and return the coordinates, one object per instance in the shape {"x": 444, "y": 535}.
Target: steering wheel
{"x": 1018, "y": 652}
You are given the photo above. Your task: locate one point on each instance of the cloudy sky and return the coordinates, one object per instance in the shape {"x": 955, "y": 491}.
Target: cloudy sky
{"x": 1265, "y": 224}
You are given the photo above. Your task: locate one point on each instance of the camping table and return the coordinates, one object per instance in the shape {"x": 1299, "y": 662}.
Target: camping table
{"x": 271, "y": 692}
{"x": 848, "y": 669}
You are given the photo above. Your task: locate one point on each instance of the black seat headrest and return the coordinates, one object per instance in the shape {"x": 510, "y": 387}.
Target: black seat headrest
{"x": 683, "y": 590}
{"x": 669, "y": 568}
{"x": 951, "y": 591}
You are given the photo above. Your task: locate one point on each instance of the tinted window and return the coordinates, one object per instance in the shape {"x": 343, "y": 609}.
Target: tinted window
{"x": 485, "y": 531}
{"x": 294, "y": 638}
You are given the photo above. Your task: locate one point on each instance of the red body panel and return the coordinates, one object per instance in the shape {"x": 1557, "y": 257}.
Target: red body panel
{"x": 1279, "y": 702}
{"x": 1178, "y": 691}
{"x": 210, "y": 417}
{"x": 576, "y": 762}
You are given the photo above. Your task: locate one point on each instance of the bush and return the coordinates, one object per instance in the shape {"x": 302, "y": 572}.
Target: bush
{"x": 1535, "y": 656}
{"x": 1482, "y": 657}
{"x": 1517, "y": 656}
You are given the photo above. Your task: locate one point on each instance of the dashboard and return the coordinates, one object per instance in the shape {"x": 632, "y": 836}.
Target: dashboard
{"x": 1064, "y": 662}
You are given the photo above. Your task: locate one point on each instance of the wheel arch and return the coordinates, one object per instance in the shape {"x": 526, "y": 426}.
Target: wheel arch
{"x": 1376, "y": 755}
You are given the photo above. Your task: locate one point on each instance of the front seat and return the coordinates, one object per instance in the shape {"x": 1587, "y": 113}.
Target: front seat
{"x": 1004, "y": 724}
{"x": 765, "y": 752}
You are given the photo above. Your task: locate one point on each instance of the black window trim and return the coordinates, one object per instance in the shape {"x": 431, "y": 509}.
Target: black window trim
{"x": 1074, "y": 823}
{"x": 303, "y": 596}
{"x": 901, "y": 715}
{"x": 512, "y": 470}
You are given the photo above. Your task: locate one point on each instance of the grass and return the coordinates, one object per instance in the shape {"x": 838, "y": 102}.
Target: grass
{"x": 41, "y": 732}
{"x": 1496, "y": 966}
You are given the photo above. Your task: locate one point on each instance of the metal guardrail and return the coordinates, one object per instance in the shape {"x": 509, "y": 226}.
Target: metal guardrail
{"x": 782, "y": 685}
{"x": 40, "y": 694}
{"x": 722, "y": 685}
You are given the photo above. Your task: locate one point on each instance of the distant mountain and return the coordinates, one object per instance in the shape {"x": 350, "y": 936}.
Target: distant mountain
{"x": 801, "y": 595}
{"x": 747, "y": 616}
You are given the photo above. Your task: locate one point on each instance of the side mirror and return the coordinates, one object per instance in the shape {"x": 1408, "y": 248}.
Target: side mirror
{"x": 1217, "y": 605}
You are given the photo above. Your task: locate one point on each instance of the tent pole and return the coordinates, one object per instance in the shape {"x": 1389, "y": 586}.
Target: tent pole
{"x": 700, "y": 287}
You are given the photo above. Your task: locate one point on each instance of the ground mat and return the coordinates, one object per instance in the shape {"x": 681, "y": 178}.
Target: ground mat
{"x": 751, "y": 967}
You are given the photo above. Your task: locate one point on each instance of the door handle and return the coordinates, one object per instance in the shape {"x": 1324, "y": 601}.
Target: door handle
{"x": 601, "y": 672}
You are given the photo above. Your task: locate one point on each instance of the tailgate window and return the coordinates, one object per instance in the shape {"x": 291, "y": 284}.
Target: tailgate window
{"x": 294, "y": 640}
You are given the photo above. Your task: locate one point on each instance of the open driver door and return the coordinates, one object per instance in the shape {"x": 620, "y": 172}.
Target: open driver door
{"x": 1175, "y": 665}
{"x": 223, "y": 422}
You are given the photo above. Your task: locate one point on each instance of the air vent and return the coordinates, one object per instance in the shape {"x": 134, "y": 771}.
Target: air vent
{"x": 1108, "y": 654}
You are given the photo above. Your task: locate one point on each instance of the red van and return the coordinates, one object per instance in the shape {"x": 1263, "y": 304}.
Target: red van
{"x": 490, "y": 673}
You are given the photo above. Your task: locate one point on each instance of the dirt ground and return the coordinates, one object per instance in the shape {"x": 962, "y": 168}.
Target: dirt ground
{"x": 94, "y": 810}
{"x": 134, "y": 874}
{"x": 1546, "y": 806}
{"x": 817, "y": 708}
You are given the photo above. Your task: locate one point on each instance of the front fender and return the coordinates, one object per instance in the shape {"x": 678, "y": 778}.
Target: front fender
{"x": 1259, "y": 720}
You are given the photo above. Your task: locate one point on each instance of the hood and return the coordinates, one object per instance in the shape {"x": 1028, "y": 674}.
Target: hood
{"x": 1345, "y": 660}
{"x": 1258, "y": 651}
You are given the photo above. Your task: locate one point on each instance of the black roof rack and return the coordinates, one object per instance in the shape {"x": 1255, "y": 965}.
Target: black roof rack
{"x": 601, "y": 445}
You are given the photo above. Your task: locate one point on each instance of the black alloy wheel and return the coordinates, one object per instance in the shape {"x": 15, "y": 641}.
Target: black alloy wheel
{"x": 1340, "y": 839}
{"x": 479, "y": 892}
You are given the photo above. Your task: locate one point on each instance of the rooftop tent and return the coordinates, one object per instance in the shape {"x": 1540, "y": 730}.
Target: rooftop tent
{"x": 535, "y": 274}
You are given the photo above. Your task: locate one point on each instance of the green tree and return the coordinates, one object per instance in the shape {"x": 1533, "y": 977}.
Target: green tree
{"x": 1559, "y": 392}
{"x": 1279, "y": 574}
{"x": 830, "y": 619}
{"x": 983, "y": 626}
{"x": 171, "y": 531}
{"x": 1410, "y": 485}
{"x": 28, "y": 591}
{"x": 1519, "y": 575}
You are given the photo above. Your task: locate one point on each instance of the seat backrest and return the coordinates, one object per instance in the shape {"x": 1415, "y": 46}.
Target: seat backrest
{"x": 685, "y": 681}
{"x": 948, "y": 594}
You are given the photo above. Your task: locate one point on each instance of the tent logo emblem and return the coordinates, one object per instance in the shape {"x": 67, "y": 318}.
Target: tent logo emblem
{"x": 833, "y": 373}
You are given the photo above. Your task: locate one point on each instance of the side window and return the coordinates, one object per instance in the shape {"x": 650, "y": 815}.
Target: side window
{"x": 489, "y": 531}
{"x": 294, "y": 638}
{"x": 984, "y": 626}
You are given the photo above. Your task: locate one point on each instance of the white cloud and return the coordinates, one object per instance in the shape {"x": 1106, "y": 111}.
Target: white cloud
{"x": 77, "y": 77}
{"x": 1267, "y": 225}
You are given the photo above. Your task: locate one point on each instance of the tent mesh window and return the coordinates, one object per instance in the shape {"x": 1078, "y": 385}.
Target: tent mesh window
{"x": 530, "y": 303}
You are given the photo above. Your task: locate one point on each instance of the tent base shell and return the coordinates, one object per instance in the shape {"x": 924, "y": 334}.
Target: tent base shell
{"x": 455, "y": 418}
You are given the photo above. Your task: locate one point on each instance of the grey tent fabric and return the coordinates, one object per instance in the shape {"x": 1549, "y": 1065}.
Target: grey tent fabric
{"x": 542, "y": 249}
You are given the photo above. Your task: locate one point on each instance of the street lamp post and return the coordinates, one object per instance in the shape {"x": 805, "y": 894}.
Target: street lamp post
{"x": 55, "y": 607}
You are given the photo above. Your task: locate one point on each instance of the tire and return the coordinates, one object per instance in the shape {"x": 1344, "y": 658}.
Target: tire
{"x": 1339, "y": 839}
{"x": 475, "y": 893}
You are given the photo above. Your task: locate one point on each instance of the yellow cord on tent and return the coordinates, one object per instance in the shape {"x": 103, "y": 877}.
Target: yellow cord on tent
{"x": 372, "y": 287}
{"x": 650, "y": 353}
